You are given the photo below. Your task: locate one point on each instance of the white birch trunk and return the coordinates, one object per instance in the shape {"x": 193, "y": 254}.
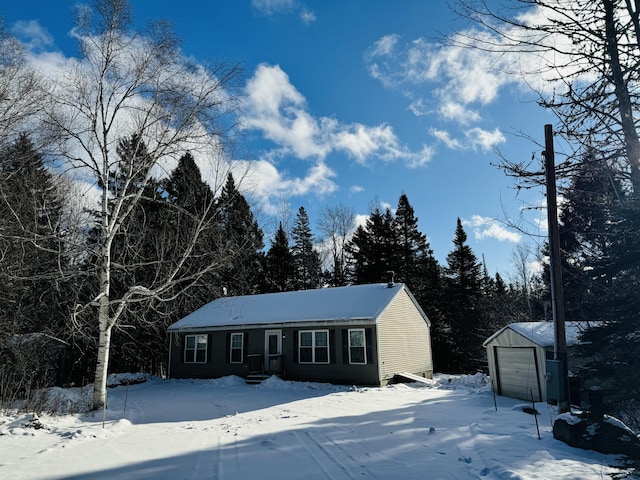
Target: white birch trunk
{"x": 102, "y": 365}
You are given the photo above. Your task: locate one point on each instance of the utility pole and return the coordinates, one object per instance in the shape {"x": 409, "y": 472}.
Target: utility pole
{"x": 557, "y": 369}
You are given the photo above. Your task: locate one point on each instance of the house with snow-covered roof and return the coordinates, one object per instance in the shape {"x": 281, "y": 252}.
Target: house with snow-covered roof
{"x": 359, "y": 334}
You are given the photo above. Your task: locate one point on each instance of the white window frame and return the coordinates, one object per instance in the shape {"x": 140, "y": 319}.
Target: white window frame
{"x": 232, "y": 348}
{"x": 197, "y": 347}
{"x": 363, "y": 346}
{"x": 313, "y": 346}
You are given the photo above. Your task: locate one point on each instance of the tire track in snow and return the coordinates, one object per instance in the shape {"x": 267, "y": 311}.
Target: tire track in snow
{"x": 336, "y": 462}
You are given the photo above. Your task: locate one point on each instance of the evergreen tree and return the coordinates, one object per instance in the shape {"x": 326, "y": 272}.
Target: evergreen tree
{"x": 462, "y": 298}
{"x": 373, "y": 249}
{"x": 587, "y": 230}
{"x": 186, "y": 187}
{"x": 306, "y": 259}
{"x": 279, "y": 264}
{"x": 31, "y": 241}
{"x": 416, "y": 265}
{"x": 244, "y": 242}
{"x": 610, "y": 348}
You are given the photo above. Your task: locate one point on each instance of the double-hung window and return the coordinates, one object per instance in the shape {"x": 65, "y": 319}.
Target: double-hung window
{"x": 195, "y": 349}
{"x": 313, "y": 346}
{"x": 357, "y": 346}
{"x": 236, "y": 347}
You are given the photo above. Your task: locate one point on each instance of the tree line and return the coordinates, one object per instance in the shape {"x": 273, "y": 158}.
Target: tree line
{"x": 129, "y": 124}
{"x": 580, "y": 58}
{"x": 51, "y": 264}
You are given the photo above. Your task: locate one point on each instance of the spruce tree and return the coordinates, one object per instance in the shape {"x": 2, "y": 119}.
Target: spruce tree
{"x": 31, "y": 240}
{"x": 373, "y": 249}
{"x": 241, "y": 275}
{"x": 462, "y": 298}
{"x": 306, "y": 259}
{"x": 416, "y": 265}
{"x": 279, "y": 264}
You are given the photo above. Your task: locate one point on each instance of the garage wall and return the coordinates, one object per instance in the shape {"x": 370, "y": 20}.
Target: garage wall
{"x": 517, "y": 366}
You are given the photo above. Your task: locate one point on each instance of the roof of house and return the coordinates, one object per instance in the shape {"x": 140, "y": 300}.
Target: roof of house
{"x": 355, "y": 303}
{"x": 543, "y": 333}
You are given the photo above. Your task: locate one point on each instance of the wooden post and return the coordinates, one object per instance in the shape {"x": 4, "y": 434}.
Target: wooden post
{"x": 555, "y": 271}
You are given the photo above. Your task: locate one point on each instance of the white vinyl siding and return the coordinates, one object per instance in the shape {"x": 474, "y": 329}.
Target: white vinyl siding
{"x": 404, "y": 339}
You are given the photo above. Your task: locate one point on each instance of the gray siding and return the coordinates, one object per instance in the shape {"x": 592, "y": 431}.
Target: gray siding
{"x": 339, "y": 370}
{"x": 398, "y": 340}
{"x": 404, "y": 340}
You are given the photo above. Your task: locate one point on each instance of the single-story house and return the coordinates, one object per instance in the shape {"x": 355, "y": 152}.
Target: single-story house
{"x": 518, "y": 354}
{"x": 359, "y": 334}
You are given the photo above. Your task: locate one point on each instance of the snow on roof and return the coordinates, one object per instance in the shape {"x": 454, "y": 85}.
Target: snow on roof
{"x": 542, "y": 333}
{"x": 355, "y": 302}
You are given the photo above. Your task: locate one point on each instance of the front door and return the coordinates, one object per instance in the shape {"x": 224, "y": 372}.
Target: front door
{"x": 273, "y": 351}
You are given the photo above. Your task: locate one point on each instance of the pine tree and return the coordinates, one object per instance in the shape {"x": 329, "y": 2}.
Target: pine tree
{"x": 306, "y": 259}
{"x": 587, "y": 234}
{"x": 462, "y": 298}
{"x": 31, "y": 240}
{"x": 416, "y": 265}
{"x": 279, "y": 264}
{"x": 373, "y": 249}
{"x": 244, "y": 241}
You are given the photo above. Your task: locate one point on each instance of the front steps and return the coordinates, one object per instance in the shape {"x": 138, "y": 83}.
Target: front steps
{"x": 256, "y": 378}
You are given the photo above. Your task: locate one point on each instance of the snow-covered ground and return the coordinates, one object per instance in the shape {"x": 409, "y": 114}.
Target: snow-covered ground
{"x": 226, "y": 429}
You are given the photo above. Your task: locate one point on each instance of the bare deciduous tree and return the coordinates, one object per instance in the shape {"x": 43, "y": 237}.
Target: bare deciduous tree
{"x": 21, "y": 92}
{"x": 138, "y": 86}
{"x": 583, "y": 59}
{"x": 337, "y": 225}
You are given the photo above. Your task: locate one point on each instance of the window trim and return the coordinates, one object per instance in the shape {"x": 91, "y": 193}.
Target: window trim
{"x": 313, "y": 347}
{"x": 363, "y": 346}
{"x": 196, "y": 348}
{"x": 232, "y": 348}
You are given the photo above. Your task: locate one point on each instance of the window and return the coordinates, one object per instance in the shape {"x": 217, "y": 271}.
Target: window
{"x": 357, "y": 346}
{"x": 314, "y": 346}
{"x": 236, "y": 347}
{"x": 195, "y": 349}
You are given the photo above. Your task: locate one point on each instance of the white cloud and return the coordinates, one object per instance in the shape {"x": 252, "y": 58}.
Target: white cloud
{"x": 445, "y": 137}
{"x": 484, "y": 227}
{"x": 261, "y": 180}
{"x": 271, "y": 7}
{"x": 308, "y": 16}
{"x": 283, "y": 7}
{"x": 473, "y": 139}
{"x": 276, "y": 108}
{"x": 455, "y": 111}
{"x": 356, "y": 189}
{"x": 461, "y": 78}
{"x": 484, "y": 139}
{"x": 32, "y": 34}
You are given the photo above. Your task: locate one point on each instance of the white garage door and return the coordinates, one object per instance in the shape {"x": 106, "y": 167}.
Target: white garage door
{"x": 518, "y": 373}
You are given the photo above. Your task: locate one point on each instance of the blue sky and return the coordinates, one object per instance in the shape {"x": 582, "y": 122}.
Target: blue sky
{"x": 355, "y": 102}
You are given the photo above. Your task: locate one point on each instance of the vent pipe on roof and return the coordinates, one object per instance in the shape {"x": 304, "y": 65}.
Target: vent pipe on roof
{"x": 390, "y": 281}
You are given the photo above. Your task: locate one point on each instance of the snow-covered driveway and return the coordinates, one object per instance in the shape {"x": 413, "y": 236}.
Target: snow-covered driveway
{"x": 225, "y": 429}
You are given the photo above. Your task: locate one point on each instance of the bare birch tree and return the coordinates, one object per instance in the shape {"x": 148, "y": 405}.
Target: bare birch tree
{"x": 337, "y": 225}
{"x": 21, "y": 92}
{"x": 138, "y": 86}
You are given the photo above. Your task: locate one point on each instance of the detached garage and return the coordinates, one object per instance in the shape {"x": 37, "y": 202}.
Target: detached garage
{"x": 517, "y": 355}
